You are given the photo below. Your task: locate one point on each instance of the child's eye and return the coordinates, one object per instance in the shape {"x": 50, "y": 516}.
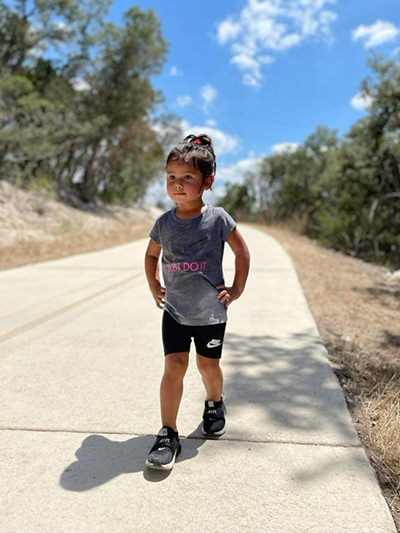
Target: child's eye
{"x": 171, "y": 177}
{"x": 187, "y": 177}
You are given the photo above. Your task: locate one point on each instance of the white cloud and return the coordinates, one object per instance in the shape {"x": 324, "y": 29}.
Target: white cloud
{"x": 183, "y": 100}
{"x": 224, "y": 143}
{"x": 252, "y": 79}
{"x": 378, "y": 33}
{"x": 245, "y": 62}
{"x": 211, "y": 122}
{"x": 235, "y": 173}
{"x": 285, "y": 147}
{"x": 227, "y": 31}
{"x": 361, "y": 101}
{"x": 174, "y": 71}
{"x": 208, "y": 94}
{"x": 79, "y": 84}
{"x": 232, "y": 174}
{"x": 263, "y": 28}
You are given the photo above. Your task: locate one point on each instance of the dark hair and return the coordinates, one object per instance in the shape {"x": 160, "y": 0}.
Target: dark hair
{"x": 197, "y": 150}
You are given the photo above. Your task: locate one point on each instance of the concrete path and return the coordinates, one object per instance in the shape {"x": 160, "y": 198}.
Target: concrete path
{"x": 80, "y": 364}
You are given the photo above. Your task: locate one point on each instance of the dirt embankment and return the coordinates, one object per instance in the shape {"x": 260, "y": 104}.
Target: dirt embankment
{"x": 35, "y": 228}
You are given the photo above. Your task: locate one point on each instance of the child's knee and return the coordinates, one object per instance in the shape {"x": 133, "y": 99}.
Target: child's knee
{"x": 176, "y": 363}
{"x": 207, "y": 366}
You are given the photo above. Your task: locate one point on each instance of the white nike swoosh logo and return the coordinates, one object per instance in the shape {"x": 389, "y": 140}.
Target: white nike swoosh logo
{"x": 214, "y": 343}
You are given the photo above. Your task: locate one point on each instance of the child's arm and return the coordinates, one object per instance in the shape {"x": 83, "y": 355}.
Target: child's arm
{"x": 242, "y": 264}
{"x": 152, "y": 272}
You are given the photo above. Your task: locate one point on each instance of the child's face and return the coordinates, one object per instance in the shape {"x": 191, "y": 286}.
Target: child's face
{"x": 185, "y": 182}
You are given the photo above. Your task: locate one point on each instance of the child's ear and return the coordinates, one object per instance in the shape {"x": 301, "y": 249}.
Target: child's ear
{"x": 209, "y": 181}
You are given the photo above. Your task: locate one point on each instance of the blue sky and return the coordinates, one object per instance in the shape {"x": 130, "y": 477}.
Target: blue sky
{"x": 259, "y": 74}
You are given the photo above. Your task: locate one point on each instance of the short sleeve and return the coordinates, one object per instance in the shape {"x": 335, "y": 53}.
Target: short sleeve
{"x": 228, "y": 224}
{"x": 155, "y": 232}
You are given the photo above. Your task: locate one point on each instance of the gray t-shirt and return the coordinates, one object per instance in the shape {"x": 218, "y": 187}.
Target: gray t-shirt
{"x": 192, "y": 264}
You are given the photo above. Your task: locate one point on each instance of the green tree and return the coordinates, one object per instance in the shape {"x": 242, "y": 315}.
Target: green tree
{"x": 288, "y": 183}
{"x": 121, "y": 95}
{"x": 36, "y": 98}
{"x": 76, "y": 101}
{"x": 237, "y": 200}
{"x": 363, "y": 215}
{"x": 69, "y": 28}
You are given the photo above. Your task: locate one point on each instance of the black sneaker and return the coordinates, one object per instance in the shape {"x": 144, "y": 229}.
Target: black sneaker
{"x": 214, "y": 418}
{"x": 165, "y": 450}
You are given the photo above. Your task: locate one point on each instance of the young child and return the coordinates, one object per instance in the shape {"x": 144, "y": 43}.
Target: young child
{"x": 195, "y": 298}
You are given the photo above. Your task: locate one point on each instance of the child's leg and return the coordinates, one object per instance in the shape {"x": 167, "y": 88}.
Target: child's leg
{"x": 214, "y": 408}
{"x": 212, "y": 377}
{"x": 172, "y": 387}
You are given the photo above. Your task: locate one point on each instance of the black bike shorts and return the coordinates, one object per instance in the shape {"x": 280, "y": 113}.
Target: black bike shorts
{"x": 178, "y": 337}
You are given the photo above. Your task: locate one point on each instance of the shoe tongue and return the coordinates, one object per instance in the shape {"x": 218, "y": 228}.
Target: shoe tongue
{"x": 163, "y": 432}
{"x": 210, "y": 403}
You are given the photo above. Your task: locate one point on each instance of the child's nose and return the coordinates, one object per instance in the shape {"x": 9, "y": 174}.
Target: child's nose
{"x": 179, "y": 183}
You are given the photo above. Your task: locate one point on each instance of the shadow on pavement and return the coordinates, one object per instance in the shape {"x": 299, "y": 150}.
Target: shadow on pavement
{"x": 101, "y": 459}
{"x": 291, "y": 380}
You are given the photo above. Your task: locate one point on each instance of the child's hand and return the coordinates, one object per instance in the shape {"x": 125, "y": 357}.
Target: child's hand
{"x": 158, "y": 293}
{"x": 226, "y": 295}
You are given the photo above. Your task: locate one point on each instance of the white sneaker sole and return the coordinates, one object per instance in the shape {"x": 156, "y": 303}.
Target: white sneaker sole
{"x": 168, "y": 466}
{"x": 216, "y": 434}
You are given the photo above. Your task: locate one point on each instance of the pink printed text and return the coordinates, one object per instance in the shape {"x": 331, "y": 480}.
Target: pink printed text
{"x": 185, "y": 266}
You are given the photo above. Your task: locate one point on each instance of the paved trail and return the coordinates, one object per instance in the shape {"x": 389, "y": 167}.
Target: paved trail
{"x": 80, "y": 364}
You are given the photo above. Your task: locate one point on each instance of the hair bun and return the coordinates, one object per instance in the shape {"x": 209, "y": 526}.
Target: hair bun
{"x": 198, "y": 151}
{"x": 203, "y": 139}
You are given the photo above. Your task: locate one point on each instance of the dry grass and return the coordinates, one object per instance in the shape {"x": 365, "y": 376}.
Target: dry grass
{"x": 357, "y": 309}
{"x": 35, "y": 228}
{"x": 33, "y": 251}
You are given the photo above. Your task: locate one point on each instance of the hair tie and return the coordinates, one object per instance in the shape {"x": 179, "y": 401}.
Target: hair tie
{"x": 197, "y": 141}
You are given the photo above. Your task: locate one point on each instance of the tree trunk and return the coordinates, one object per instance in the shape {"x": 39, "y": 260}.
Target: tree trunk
{"x": 89, "y": 186}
